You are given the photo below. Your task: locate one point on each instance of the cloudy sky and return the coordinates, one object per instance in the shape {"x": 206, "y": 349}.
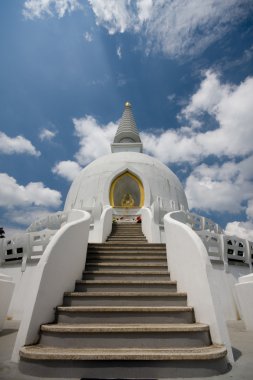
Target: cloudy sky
{"x": 68, "y": 66}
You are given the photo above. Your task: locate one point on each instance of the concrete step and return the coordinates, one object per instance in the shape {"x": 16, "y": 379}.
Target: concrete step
{"x": 131, "y": 265}
{"x": 125, "y": 314}
{"x": 125, "y": 250}
{"x": 125, "y": 285}
{"x": 123, "y": 362}
{"x": 126, "y": 274}
{"x": 125, "y": 298}
{"x": 137, "y": 236}
{"x": 127, "y": 232}
{"x": 127, "y": 335}
{"x": 141, "y": 246}
{"x": 117, "y": 239}
{"x": 50, "y": 353}
{"x": 127, "y": 225}
{"x": 125, "y": 258}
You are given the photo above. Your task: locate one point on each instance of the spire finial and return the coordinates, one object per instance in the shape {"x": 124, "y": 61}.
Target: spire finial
{"x": 127, "y": 137}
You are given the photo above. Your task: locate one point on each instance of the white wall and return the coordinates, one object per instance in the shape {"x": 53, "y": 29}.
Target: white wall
{"x": 6, "y": 291}
{"x": 60, "y": 266}
{"x": 149, "y": 226}
{"x": 244, "y": 291}
{"x": 226, "y": 295}
{"x": 190, "y": 266}
{"x": 102, "y": 226}
{"x": 23, "y": 282}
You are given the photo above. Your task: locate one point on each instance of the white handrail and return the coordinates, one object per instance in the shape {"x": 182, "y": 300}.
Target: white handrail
{"x": 60, "y": 266}
{"x": 190, "y": 266}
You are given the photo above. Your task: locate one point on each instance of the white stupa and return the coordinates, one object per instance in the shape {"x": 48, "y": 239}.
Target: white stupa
{"x": 127, "y": 179}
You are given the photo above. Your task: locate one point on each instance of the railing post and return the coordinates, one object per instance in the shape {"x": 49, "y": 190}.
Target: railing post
{"x": 223, "y": 253}
{"x": 248, "y": 251}
{"x": 2, "y": 251}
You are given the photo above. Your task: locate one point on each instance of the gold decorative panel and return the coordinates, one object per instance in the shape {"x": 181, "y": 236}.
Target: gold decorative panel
{"x": 127, "y": 191}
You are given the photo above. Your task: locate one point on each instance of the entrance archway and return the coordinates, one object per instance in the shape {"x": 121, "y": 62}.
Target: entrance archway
{"x": 127, "y": 191}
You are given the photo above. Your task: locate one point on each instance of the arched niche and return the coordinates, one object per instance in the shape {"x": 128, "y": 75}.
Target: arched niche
{"x": 126, "y": 191}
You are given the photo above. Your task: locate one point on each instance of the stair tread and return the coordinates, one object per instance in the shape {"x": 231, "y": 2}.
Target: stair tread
{"x": 126, "y": 272}
{"x": 106, "y": 244}
{"x": 134, "y": 248}
{"x": 125, "y": 294}
{"x": 147, "y": 309}
{"x": 144, "y": 265}
{"x": 144, "y": 282}
{"x": 52, "y": 353}
{"x": 90, "y": 259}
{"x": 115, "y": 327}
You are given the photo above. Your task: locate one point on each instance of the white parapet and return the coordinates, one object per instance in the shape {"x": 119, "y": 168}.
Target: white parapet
{"x": 102, "y": 223}
{"x": 244, "y": 292}
{"x": 190, "y": 266}
{"x": 149, "y": 227}
{"x": 6, "y": 292}
{"x": 60, "y": 266}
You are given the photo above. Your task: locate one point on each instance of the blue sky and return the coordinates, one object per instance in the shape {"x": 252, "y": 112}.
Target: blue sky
{"x": 68, "y": 66}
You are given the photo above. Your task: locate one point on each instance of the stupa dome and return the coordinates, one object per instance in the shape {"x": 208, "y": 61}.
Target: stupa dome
{"x": 99, "y": 179}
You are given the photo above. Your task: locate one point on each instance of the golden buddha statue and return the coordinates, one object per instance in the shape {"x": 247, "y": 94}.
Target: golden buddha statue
{"x": 127, "y": 200}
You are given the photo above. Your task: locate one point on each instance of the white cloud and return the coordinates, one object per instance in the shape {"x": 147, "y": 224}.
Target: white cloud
{"x": 67, "y": 169}
{"x": 224, "y": 188}
{"x": 27, "y": 216}
{"x": 47, "y": 134}
{"x": 94, "y": 140}
{"x": 18, "y": 144}
{"x": 88, "y": 37}
{"x": 48, "y": 8}
{"x": 119, "y": 52}
{"x": 34, "y": 193}
{"x": 113, "y": 14}
{"x": 171, "y": 97}
{"x": 144, "y": 9}
{"x": 240, "y": 229}
{"x": 219, "y": 188}
{"x": 175, "y": 27}
{"x": 181, "y": 147}
{"x": 249, "y": 210}
{"x": 229, "y": 106}
{"x": 208, "y": 96}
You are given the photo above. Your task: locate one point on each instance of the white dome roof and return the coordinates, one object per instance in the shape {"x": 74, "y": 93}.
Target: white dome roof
{"x": 94, "y": 181}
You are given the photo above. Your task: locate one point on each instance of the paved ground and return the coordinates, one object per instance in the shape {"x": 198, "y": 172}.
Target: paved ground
{"x": 242, "y": 342}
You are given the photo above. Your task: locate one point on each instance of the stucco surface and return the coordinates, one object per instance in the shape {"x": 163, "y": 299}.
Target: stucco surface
{"x": 93, "y": 183}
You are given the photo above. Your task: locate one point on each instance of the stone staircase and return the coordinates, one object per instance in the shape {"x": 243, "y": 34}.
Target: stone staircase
{"x": 125, "y": 319}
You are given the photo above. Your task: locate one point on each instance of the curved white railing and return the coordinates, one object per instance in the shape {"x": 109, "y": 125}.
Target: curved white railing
{"x": 149, "y": 226}
{"x": 220, "y": 247}
{"x": 190, "y": 266}
{"x": 60, "y": 266}
{"x": 30, "y": 245}
{"x": 102, "y": 226}
{"x": 51, "y": 222}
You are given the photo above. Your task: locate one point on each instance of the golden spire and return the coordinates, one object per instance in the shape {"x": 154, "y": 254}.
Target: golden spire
{"x": 127, "y": 104}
